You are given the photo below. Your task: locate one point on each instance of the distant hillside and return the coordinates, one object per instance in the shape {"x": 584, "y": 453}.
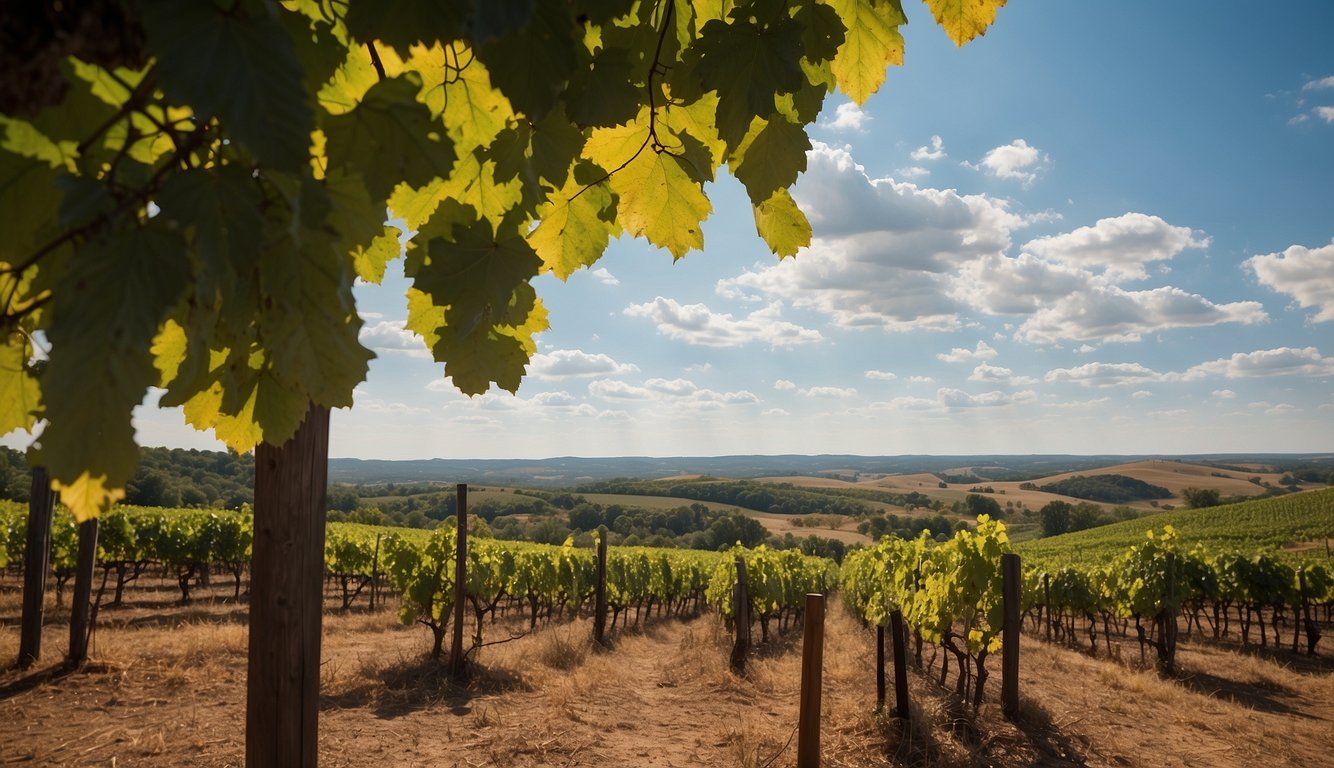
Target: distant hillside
{"x": 1296, "y": 521}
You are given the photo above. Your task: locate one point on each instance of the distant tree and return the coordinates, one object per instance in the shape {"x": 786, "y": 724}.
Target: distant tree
{"x": 1198, "y": 498}
{"x": 976, "y": 504}
{"x": 1056, "y": 518}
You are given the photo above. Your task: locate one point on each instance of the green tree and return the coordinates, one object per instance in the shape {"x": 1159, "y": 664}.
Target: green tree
{"x": 1055, "y": 518}
{"x": 1198, "y": 498}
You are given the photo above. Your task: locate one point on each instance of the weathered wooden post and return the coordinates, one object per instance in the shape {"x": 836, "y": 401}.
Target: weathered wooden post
{"x": 1312, "y": 629}
{"x": 1046, "y": 601}
{"x": 812, "y": 664}
{"x": 600, "y": 589}
{"x": 740, "y": 617}
{"x": 456, "y": 666}
{"x": 375, "y": 571}
{"x": 1167, "y": 619}
{"x": 1011, "y": 578}
{"x": 880, "y": 666}
{"x": 82, "y": 607}
{"x": 287, "y": 597}
{"x": 900, "y": 636}
{"x": 36, "y": 561}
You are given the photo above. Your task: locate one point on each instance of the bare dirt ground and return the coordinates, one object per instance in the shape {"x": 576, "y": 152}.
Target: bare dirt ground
{"x": 166, "y": 687}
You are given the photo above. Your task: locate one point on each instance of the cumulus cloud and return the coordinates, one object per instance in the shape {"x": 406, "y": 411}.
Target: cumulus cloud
{"x": 1283, "y": 361}
{"x": 1118, "y": 247}
{"x": 1224, "y": 394}
{"x": 957, "y": 398}
{"x": 1305, "y": 274}
{"x": 1079, "y": 405}
{"x": 784, "y": 385}
{"x": 697, "y": 324}
{"x": 1325, "y": 113}
{"x": 1319, "y": 84}
{"x": 1103, "y": 374}
{"x": 913, "y": 172}
{"x": 677, "y": 392}
{"x": 921, "y": 379}
{"x": 999, "y": 375}
{"x": 1109, "y": 313}
{"x": 1016, "y": 160}
{"x": 848, "y": 117}
{"x": 774, "y": 413}
{"x": 605, "y": 277}
{"x": 571, "y": 363}
{"x": 835, "y": 393}
{"x": 1141, "y": 394}
{"x": 983, "y": 351}
{"x": 393, "y": 337}
{"x": 935, "y": 152}
{"x": 881, "y": 375}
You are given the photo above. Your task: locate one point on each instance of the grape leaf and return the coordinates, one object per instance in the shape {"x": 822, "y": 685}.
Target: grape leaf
{"x": 748, "y": 66}
{"x": 19, "y": 393}
{"x": 474, "y": 275}
{"x": 964, "y": 20}
{"x": 473, "y": 111}
{"x": 219, "y": 211}
{"x": 871, "y": 44}
{"x": 389, "y": 138}
{"x": 404, "y": 22}
{"x": 782, "y": 224}
{"x": 574, "y": 231}
{"x": 261, "y": 101}
{"x": 773, "y": 159}
{"x": 117, "y": 293}
{"x": 531, "y": 62}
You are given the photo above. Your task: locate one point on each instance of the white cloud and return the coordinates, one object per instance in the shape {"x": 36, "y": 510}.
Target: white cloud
{"x": 774, "y": 413}
{"x": 1282, "y": 409}
{"x": 881, "y": 375}
{"x": 569, "y": 363}
{"x": 884, "y": 251}
{"x": 956, "y": 398}
{"x": 837, "y": 393}
{"x": 393, "y": 337}
{"x": 1109, "y": 313}
{"x": 676, "y": 392}
{"x": 1075, "y": 405}
{"x": 848, "y": 117}
{"x": 1141, "y": 394}
{"x": 1118, "y": 247}
{"x": 1174, "y": 413}
{"x": 1325, "y": 113}
{"x": 983, "y": 351}
{"x": 1016, "y": 160}
{"x": 913, "y": 172}
{"x": 921, "y": 379}
{"x": 1224, "y": 394}
{"x": 784, "y": 385}
{"x": 697, "y": 324}
{"x": 1305, "y": 274}
{"x": 605, "y": 277}
{"x": 1319, "y": 84}
{"x": 999, "y": 375}
{"x": 1103, "y": 374}
{"x": 1283, "y": 361}
{"x": 1084, "y": 349}
{"x": 935, "y": 152}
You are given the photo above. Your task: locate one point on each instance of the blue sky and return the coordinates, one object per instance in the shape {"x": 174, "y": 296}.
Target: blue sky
{"x": 1102, "y": 228}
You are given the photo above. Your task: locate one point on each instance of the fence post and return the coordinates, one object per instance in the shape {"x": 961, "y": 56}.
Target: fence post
{"x": 812, "y": 661}
{"x": 879, "y": 666}
{"x": 900, "y": 638}
{"x": 600, "y": 589}
{"x": 1312, "y": 630}
{"x": 1167, "y": 618}
{"x": 741, "y": 617}
{"x": 1046, "y": 601}
{"x": 375, "y": 571}
{"x": 36, "y": 561}
{"x": 456, "y": 668}
{"x": 1011, "y": 577}
{"x": 82, "y": 606}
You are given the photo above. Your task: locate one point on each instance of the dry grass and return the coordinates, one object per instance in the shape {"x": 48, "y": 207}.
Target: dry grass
{"x": 166, "y": 688}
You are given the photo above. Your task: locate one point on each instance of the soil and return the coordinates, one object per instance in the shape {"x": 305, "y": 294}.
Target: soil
{"x": 166, "y": 687}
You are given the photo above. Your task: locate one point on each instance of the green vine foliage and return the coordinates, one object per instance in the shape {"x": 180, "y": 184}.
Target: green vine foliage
{"x": 190, "y": 187}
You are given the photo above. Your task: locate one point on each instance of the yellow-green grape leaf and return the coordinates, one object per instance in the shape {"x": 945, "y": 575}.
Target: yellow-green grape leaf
{"x": 370, "y": 261}
{"x": 782, "y": 224}
{"x": 748, "y": 65}
{"x": 19, "y": 393}
{"x": 218, "y": 209}
{"x": 656, "y": 196}
{"x": 424, "y": 318}
{"x": 964, "y": 20}
{"x": 118, "y": 292}
{"x": 402, "y": 23}
{"x": 474, "y": 184}
{"x": 524, "y": 332}
{"x": 414, "y": 205}
{"x": 389, "y": 138}
{"x": 28, "y": 196}
{"x": 871, "y": 44}
{"x": 474, "y": 275}
{"x": 696, "y": 119}
{"x": 359, "y": 221}
{"x": 574, "y": 231}
{"x": 772, "y": 159}
{"x": 475, "y": 360}
{"x": 473, "y": 111}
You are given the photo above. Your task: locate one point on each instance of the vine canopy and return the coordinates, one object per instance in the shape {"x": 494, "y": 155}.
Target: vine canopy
{"x": 189, "y": 188}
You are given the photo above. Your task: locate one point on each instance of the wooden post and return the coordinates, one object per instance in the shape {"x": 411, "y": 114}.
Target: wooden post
{"x": 1167, "y": 626}
{"x": 740, "y": 617}
{"x": 375, "y": 570}
{"x": 1046, "y": 601}
{"x": 286, "y": 597}
{"x": 456, "y": 668}
{"x": 600, "y": 589}
{"x": 879, "y": 666}
{"x": 812, "y": 663}
{"x": 1312, "y": 629}
{"x": 1011, "y": 577}
{"x": 36, "y": 561}
{"x": 82, "y": 607}
{"x": 900, "y": 637}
